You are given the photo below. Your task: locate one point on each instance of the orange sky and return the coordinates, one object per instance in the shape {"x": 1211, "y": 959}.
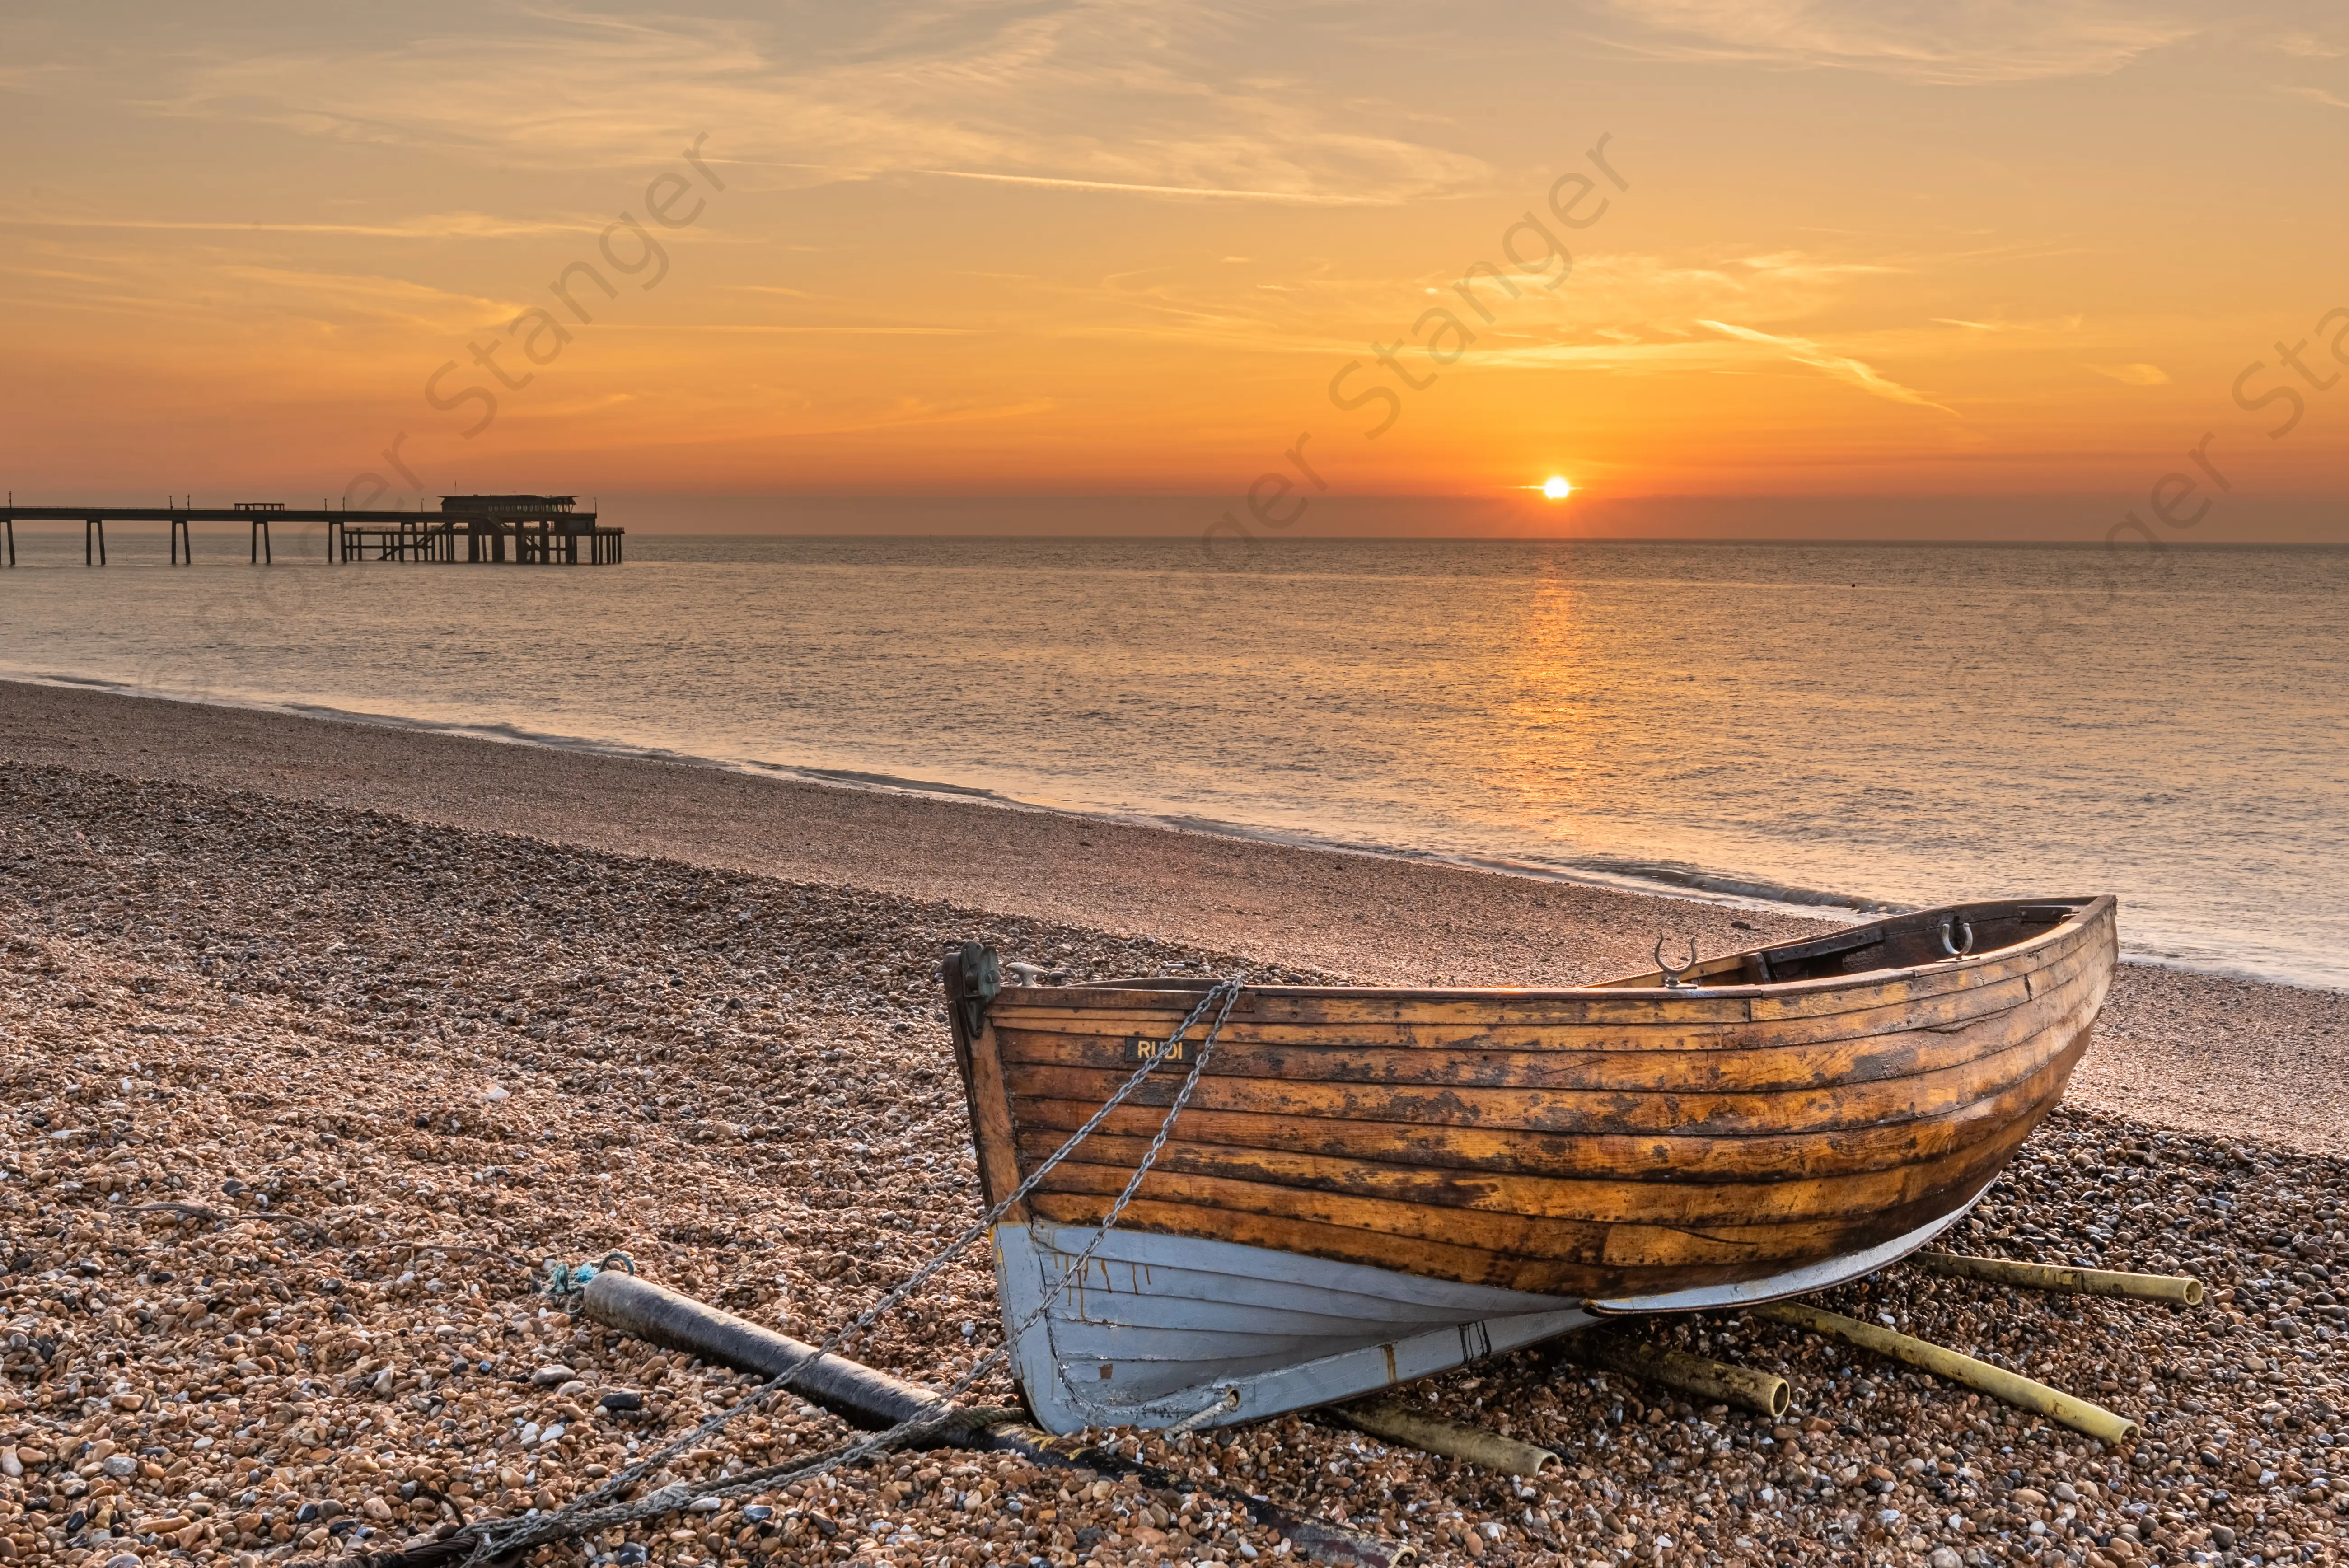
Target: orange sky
{"x": 1954, "y": 252}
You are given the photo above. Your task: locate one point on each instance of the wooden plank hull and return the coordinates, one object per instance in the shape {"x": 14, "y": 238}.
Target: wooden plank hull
{"x": 1787, "y": 1111}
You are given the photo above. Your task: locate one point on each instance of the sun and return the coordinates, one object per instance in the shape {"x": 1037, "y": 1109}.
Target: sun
{"x": 1557, "y": 488}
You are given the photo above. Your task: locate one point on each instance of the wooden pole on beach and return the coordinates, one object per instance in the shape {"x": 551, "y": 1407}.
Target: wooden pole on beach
{"x": 866, "y": 1397}
{"x": 1397, "y": 1423}
{"x": 1762, "y": 1392}
{"x": 1997, "y": 1382}
{"x": 2180, "y": 1290}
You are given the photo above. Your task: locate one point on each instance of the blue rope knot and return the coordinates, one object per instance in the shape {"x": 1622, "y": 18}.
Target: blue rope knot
{"x": 569, "y": 1278}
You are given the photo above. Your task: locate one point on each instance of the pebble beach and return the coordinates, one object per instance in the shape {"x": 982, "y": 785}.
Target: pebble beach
{"x": 318, "y": 1041}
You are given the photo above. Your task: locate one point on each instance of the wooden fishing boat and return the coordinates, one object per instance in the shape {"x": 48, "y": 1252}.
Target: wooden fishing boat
{"x": 1372, "y": 1184}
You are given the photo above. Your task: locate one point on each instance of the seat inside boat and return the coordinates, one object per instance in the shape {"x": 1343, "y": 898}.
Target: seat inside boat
{"x": 1901, "y": 941}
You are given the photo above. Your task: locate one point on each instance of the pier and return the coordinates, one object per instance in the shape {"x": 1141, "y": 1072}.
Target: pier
{"x": 515, "y": 530}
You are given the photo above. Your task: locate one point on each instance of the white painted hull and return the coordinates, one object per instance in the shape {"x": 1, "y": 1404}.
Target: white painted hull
{"x": 1172, "y": 1330}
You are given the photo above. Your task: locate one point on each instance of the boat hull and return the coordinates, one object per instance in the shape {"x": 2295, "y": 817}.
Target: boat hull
{"x": 1805, "y": 1114}
{"x": 1169, "y": 1331}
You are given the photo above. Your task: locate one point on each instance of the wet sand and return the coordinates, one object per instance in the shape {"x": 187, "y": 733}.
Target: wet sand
{"x": 2178, "y": 1050}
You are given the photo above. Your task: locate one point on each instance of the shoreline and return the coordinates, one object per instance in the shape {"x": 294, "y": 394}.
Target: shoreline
{"x": 2179, "y": 1048}
{"x": 1670, "y": 883}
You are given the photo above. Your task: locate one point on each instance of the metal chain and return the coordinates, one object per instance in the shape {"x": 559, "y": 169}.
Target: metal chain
{"x": 1229, "y": 989}
{"x": 1071, "y": 1273}
{"x": 588, "y": 1513}
{"x": 984, "y": 1224}
{"x": 573, "y": 1520}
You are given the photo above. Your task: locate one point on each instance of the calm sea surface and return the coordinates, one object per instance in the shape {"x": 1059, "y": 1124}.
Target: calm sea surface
{"x": 1796, "y": 723}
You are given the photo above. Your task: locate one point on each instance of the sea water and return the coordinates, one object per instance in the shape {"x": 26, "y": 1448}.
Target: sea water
{"x": 1831, "y": 726}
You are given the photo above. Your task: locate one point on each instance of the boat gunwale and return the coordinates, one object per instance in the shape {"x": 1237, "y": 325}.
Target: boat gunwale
{"x": 1109, "y": 994}
{"x": 1868, "y": 1019}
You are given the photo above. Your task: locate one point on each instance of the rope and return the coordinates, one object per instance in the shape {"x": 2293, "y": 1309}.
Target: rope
{"x": 597, "y": 1510}
{"x": 565, "y": 1282}
{"x": 1201, "y": 1416}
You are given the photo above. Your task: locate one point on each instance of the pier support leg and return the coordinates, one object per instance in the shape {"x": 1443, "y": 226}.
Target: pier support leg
{"x": 11, "y": 529}
{"x": 93, "y": 541}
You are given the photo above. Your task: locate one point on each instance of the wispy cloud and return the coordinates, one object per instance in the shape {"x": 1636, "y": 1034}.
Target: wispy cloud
{"x": 1080, "y": 95}
{"x": 2315, "y": 95}
{"x": 910, "y": 412}
{"x": 1950, "y": 41}
{"x": 363, "y": 301}
{"x": 1803, "y": 266}
{"x": 451, "y": 225}
{"x": 2134, "y": 375}
{"x": 759, "y": 330}
{"x": 1282, "y": 196}
{"x": 113, "y": 275}
{"x": 1843, "y": 368}
{"x": 2058, "y": 325}
{"x": 2306, "y": 47}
